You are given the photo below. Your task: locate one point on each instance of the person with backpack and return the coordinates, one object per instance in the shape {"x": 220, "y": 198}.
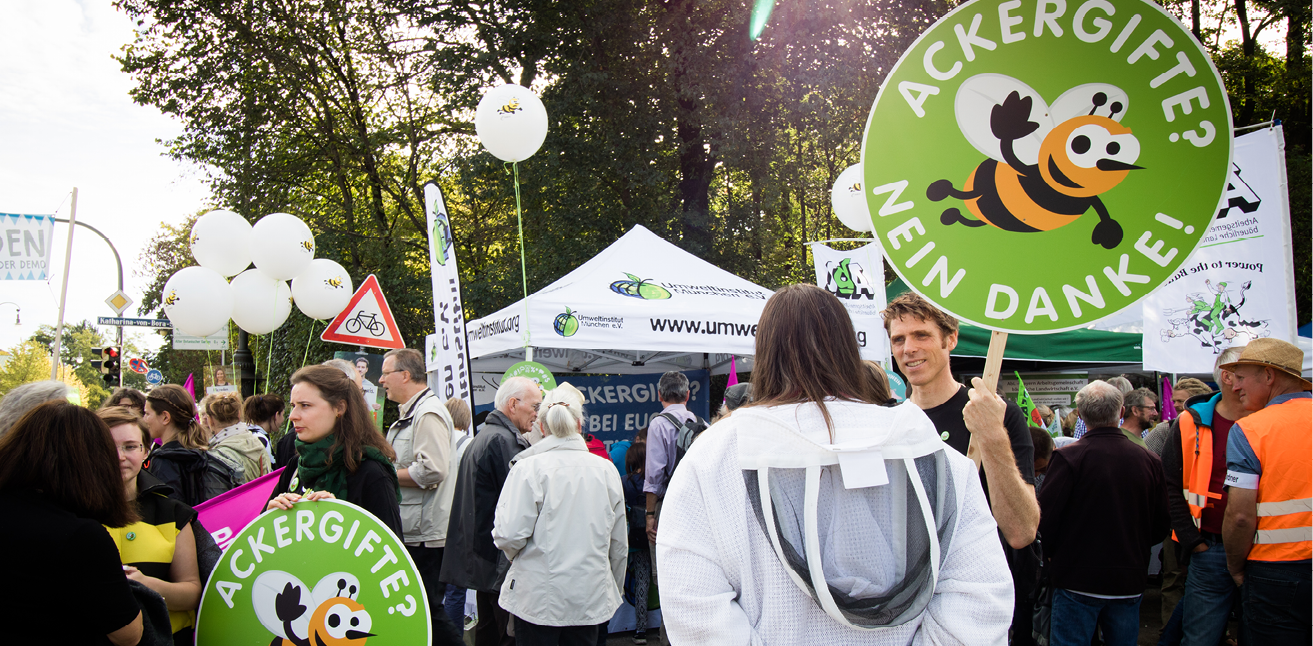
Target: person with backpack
{"x": 232, "y": 438}
{"x": 669, "y": 435}
{"x": 183, "y": 461}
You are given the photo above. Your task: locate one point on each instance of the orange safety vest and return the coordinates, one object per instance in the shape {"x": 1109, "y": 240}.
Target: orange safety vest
{"x": 1197, "y": 464}
{"x": 1282, "y": 438}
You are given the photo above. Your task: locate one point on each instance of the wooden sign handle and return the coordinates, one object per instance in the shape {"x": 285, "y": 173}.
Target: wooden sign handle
{"x": 998, "y": 341}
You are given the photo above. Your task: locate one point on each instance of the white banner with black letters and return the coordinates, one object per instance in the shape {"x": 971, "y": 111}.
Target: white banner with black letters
{"x": 857, "y": 278}
{"x": 1239, "y": 285}
{"x": 25, "y": 242}
{"x": 445, "y": 351}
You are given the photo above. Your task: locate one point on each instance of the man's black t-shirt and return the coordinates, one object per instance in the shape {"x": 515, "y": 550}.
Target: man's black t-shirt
{"x": 948, "y": 417}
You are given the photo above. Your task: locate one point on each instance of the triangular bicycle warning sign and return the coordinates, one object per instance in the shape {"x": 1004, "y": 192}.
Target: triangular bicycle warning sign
{"x": 366, "y": 320}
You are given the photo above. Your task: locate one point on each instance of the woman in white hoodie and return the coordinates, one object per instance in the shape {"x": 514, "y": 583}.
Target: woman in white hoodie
{"x": 561, "y": 522}
{"x": 819, "y": 515}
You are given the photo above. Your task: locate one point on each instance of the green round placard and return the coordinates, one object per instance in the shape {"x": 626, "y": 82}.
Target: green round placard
{"x": 1033, "y": 167}
{"x": 534, "y": 371}
{"x": 324, "y": 573}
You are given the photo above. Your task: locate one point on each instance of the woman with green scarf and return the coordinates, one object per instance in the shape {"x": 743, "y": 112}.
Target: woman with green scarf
{"x": 339, "y": 452}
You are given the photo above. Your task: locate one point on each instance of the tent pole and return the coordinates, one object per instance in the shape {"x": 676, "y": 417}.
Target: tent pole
{"x": 528, "y": 353}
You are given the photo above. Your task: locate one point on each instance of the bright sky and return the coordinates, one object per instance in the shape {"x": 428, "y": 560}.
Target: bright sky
{"x": 66, "y": 120}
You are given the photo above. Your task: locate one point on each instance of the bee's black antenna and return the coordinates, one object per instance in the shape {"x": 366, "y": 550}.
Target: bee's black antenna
{"x": 1098, "y": 99}
{"x": 1114, "y": 109}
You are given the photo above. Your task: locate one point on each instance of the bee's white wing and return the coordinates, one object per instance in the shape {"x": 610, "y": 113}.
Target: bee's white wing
{"x": 975, "y": 102}
{"x": 264, "y": 596}
{"x": 337, "y": 584}
{"x": 1101, "y": 99}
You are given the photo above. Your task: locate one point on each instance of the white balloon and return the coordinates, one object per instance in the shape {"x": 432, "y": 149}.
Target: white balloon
{"x": 221, "y": 240}
{"x": 282, "y": 246}
{"x": 260, "y": 303}
{"x": 323, "y": 291}
{"x": 849, "y": 199}
{"x": 197, "y": 301}
{"x": 511, "y": 122}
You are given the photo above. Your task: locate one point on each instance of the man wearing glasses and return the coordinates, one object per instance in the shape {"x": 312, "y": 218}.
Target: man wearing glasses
{"x": 471, "y": 560}
{"x": 1141, "y": 414}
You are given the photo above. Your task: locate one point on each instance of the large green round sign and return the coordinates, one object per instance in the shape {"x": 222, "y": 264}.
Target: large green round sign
{"x": 325, "y": 572}
{"x": 1035, "y": 166}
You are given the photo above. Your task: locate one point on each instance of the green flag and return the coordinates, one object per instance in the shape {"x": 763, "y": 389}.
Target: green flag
{"x": 1026, "y": 403}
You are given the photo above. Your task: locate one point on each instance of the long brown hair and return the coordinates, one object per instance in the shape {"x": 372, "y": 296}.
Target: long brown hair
{"x": 177, "y": 402}
{"x": 354, "y": 430}
{"x": 67, "y": 453}
{"x": 807, "y": 351}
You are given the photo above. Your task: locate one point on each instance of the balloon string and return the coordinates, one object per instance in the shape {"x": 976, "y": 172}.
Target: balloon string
{"x": 308, "y": 338}
{"x": 273, "y": 314}
{"x": 524, "y": 273}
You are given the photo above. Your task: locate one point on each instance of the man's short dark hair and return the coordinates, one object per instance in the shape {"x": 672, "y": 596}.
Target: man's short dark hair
{"x": 673, "y": 387}
{"x": 409, "y": 361}
{"x": 1141, "y": 397}
{"x": 1043, "y": 442}
{"x": 910, "y": 304}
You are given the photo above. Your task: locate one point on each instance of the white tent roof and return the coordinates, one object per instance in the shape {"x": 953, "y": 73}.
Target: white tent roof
{"x": 641, "y": 305}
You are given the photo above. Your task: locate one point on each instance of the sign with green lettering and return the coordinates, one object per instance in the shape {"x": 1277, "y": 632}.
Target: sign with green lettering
{"x": 1034, "y": 167}
{"x": 324, "y": 573}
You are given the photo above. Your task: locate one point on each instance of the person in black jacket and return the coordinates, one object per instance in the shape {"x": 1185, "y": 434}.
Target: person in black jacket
{"x": 472, "y": 560}
{"x": 171, "y": 418}
{"x": 339, "y": 454}
{"x": 1102, "y": 507}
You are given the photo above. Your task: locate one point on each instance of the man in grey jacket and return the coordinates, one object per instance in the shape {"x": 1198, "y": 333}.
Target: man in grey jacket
{"x": 473, "y": 561}
{"x": 421, "y": 438}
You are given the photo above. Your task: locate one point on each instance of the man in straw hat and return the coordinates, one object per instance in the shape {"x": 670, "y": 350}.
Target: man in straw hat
{"x": 1268, "y": 527}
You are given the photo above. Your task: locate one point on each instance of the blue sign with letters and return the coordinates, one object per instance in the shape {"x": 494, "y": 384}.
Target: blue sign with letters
{"x": 616, "y": 406}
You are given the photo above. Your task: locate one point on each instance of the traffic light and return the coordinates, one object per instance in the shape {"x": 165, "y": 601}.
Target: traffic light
{"x": 110, "y": 364}
{"x": 97, "y": 363}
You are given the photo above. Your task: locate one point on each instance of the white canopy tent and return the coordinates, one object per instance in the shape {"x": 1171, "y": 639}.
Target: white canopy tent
{"x": 642, "y": 305}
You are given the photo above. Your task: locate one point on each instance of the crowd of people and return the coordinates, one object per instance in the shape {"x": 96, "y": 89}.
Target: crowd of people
{"x": 812, "y": 509}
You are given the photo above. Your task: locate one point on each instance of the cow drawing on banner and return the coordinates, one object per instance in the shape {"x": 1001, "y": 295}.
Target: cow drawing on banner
{"x": 1213, "y": 318}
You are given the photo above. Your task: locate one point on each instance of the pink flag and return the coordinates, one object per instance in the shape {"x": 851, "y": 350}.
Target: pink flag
{"x": 733, "y": 374}
{"x": 189, "y": 386}
{"x": 1169, "y": 408}
{"x": 224, "y": 516}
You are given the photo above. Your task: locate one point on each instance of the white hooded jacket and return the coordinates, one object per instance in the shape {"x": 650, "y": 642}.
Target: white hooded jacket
{"x": 768, "y": 487}
{"x": 561, "y": 522}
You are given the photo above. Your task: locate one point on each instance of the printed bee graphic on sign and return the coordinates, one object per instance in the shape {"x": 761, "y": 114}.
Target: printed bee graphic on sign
{"x": 510, "y": 108}
{"x": 1046, "y": 166}
{"x": 329, "y": 615}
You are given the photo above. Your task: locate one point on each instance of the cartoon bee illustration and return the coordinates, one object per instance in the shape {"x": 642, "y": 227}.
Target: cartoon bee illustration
{"x": 1047, "y": 166}
{"x": 333, "y": 616}
{"x": 308, "y": 245}
{"x": 334, "y": 282}
{"x": 511, "y": 107}
{"x": 194, "y": 239}
{"x": 171, "y": 299}
{"x": 856, "y": 187}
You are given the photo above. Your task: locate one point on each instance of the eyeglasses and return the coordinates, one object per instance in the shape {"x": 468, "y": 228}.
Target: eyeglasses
{"x": 388, "y": 372}
{"x": 131, "y": 447}
{"x": 535, "y": 406}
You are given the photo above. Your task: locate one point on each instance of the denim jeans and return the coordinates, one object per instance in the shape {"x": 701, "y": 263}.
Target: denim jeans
{"x": 1276, "y": 598}
{"x": 1075, "y": 617}
{"x": 1209, "y": 594}
{"x": 453, "y": 602}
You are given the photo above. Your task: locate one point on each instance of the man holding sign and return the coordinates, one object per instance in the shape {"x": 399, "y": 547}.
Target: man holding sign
{"x": 921, "y": 336}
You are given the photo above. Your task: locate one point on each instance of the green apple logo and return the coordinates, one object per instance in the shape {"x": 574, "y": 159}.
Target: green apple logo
{"x": 639, "y": 288}
{"x": 566, "y": 323}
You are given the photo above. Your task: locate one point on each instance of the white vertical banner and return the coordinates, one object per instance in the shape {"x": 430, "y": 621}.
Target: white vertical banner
{"x": 1240, "y": 283}
{"x": 25, "y": 245}
{"x": 857, "y": 278}
{"x": 445, "y": 350}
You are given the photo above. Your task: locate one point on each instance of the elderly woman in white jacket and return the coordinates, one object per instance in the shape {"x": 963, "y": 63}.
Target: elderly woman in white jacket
{"x": 561, "y": 522}
{"x": 817, "y": 515}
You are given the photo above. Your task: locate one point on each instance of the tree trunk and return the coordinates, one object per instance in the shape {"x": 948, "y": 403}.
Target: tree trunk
{"x": 1247, "y": 46}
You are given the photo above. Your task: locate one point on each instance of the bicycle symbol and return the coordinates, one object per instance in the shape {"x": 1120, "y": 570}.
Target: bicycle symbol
{"x": 367, "y": 321}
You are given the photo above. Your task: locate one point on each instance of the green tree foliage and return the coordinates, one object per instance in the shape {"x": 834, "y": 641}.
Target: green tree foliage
{"x": 28, "y": 361}
{"x": 662, "y": 113}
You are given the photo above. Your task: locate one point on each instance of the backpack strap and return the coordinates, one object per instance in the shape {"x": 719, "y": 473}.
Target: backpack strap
{"x": 674, "y": 421}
